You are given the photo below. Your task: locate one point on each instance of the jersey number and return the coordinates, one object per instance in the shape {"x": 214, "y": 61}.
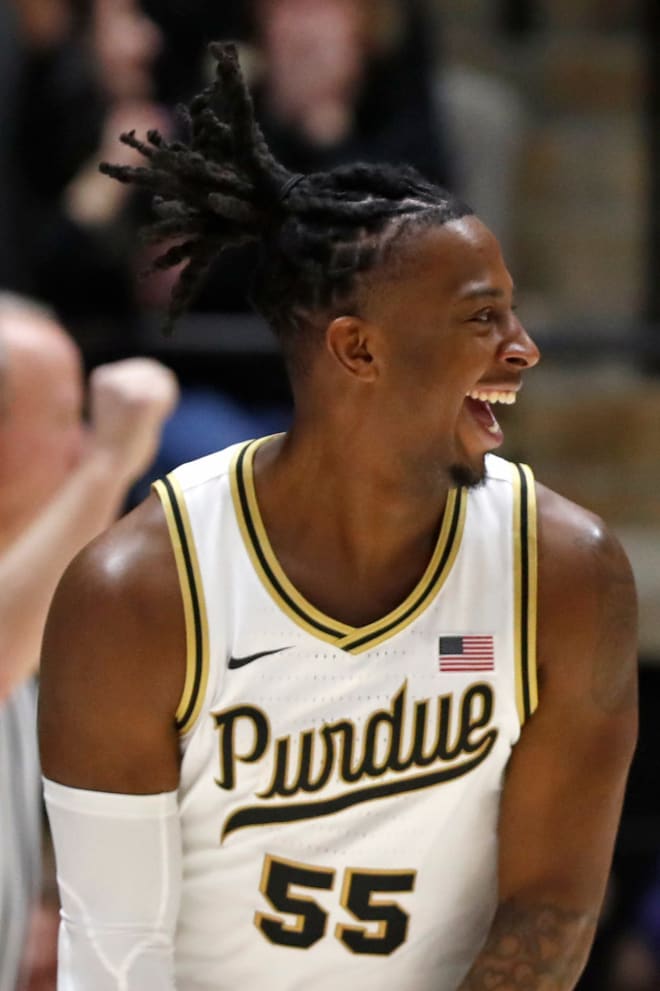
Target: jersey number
{"x": 359, "y": 896}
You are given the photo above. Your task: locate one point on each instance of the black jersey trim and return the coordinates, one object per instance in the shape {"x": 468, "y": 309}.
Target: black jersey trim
{"x": 348, "y": 638}
{"x": 457, "y": 515}
{"x": 193, "y": 604}
{"x": 256, "y": 544}
{"x": 525, "y": 575}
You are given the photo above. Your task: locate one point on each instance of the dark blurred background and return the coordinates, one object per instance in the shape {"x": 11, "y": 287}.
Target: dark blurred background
{"x": 543, "y": 114}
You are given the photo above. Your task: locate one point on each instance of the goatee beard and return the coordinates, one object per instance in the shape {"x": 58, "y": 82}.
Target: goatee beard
{"x": 462, "y": 476}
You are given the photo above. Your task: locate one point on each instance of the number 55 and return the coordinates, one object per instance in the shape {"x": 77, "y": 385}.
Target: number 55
{"x": 357, "y": 897}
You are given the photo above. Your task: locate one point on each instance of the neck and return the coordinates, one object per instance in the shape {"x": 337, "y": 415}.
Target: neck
{"x": 368, "y": 501}
{"x": 350, "y": 531}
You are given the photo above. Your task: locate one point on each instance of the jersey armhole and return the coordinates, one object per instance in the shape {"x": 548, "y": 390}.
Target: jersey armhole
{"x": 525, "y": 579}
{"x": 190, "y": 584}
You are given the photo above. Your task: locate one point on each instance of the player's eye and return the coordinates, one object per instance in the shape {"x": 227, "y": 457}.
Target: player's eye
{"x": 484, "y": 316}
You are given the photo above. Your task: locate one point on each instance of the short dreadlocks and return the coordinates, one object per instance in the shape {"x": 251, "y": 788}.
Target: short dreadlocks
{"x": 317, "y": 234}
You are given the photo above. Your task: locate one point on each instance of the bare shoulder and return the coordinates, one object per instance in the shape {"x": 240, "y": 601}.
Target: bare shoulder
{"x": 566, "y": 777}
{"x": 127, "y": 573}
{"x": 132, "y": 558}
{"x": 569, "y": 531}
{"x": 113, "y": 655}
{"x": 587, "y": 600}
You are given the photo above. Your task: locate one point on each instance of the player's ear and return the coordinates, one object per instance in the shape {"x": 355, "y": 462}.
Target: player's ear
{"x": 350, "y": 340}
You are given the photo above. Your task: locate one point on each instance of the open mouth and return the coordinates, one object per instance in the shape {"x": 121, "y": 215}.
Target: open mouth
{"x": 479, "y": 402}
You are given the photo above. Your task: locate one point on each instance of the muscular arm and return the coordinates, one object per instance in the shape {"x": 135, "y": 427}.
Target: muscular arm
{"x": 565, "y": 783}
{"x": 113, "y": 663}
{"x": 113, "y": 671}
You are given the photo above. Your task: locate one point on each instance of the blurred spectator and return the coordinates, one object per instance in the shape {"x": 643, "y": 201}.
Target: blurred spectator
{"x": 85, "y": 75}
{"x": 345, "y": 80}
{"x": 10, "y": 62}
{"x": 636, "y": 960}
{"x": 633, "y": 967}
{"x": 85, "y": 265}
{"x": 59, "y": 486}
{"x": 373, "y": 60}
{"x": 332, "y": 81}
{"x": 487, "y": 120}
{"x": 42, "y": 143}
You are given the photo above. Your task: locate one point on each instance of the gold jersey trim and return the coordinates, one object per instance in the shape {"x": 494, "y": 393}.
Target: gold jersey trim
{"x": 194, "y": 608}
{"x": 352, "y": 639}
{"x": 525, "y": 574}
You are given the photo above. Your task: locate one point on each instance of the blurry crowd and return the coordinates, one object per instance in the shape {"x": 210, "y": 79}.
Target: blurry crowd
{"x": 332, "y": 80}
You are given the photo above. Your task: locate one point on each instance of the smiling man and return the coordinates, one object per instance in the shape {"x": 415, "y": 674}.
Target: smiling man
{"x": 300, "y": 725}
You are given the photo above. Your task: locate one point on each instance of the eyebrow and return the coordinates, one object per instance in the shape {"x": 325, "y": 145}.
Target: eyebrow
{"x": 490, "y": 292}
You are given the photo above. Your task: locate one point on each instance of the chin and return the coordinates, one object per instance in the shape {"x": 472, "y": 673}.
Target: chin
{"x": 467, "y": 476}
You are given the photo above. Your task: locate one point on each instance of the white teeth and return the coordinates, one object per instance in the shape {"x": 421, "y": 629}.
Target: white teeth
{"x": 508, "y": 398}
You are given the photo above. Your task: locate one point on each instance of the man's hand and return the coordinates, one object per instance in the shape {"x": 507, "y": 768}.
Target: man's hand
{"x": 91, "y": 200}
{"x": 129, "y": 401}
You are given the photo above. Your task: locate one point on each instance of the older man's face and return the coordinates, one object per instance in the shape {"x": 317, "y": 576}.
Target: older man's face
{"x": 41, "y": 432}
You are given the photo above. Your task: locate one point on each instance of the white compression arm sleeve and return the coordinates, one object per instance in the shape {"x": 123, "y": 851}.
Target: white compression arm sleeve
{"x": 119, "y": 874}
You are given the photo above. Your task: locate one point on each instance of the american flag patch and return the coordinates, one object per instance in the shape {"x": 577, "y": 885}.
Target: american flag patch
{"x": 470, "y": 653}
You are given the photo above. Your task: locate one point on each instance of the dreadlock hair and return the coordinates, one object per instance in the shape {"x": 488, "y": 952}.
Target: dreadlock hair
{"x": 318, "y": 234}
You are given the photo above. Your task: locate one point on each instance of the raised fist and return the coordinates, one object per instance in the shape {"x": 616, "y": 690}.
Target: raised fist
{"x": 129, "y": 402}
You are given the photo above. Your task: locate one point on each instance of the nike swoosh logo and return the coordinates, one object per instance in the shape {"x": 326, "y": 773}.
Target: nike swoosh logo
{"x": 240, "y": 662}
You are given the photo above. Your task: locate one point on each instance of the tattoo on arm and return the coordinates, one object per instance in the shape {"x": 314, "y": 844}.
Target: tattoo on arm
{"x": 532, "y": 948}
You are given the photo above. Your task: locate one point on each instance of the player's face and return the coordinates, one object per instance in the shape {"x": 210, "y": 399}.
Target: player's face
{"x": 454, "y": 346}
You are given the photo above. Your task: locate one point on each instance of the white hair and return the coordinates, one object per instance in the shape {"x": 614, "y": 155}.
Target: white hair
{"x": 13, "y": 302}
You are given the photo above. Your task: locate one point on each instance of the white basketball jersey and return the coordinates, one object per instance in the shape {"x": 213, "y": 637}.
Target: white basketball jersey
{"x": 340, "y": 786}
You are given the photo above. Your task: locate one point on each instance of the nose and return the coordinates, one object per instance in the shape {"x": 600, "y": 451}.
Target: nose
{"x": 518, "y": 349}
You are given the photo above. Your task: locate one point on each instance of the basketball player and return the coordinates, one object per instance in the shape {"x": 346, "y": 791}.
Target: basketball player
{"x": 58, "y": 489}
{"x": 289, "y": 715}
